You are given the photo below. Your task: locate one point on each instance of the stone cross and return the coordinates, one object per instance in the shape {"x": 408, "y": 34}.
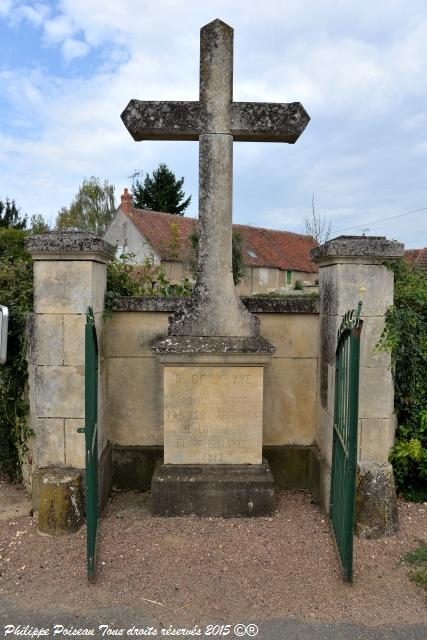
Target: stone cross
{"x": 215, "y": 120}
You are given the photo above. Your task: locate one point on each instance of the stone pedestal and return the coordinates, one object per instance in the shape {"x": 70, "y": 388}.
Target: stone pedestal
{"x": 213, "y": 420}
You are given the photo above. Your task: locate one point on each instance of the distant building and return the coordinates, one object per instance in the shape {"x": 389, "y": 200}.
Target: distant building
{"x": 417, "y": 256}
{"x": 274, "y": 260}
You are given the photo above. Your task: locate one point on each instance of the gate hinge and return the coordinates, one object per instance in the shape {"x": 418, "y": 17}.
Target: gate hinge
{"x": 81, "y": 429}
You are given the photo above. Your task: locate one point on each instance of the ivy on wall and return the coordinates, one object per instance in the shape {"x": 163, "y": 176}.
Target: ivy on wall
{"x": 16, "y": 292}
{"x": 405, "y": 336}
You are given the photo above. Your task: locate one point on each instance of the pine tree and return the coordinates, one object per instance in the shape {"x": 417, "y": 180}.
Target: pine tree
{"x": 10, "y": 217}
{"x": 161, "y": 192}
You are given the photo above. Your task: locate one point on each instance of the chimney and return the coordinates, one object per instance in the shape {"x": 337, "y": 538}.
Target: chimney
{"x": 126, "y": 202}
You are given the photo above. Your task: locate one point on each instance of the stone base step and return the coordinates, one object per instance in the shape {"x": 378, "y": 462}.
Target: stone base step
{"x": 227, "y": 491}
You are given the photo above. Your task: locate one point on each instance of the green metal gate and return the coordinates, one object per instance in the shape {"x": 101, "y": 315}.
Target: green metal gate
{"x": 344, "y": 451}
{"x": 91, "y": 442}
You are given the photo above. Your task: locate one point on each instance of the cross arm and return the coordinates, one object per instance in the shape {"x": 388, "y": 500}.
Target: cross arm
{"x": 164, "y": 120}
{"x": 268, "y": 121}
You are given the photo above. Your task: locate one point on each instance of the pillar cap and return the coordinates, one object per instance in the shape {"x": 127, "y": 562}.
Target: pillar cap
{"x": 362, "y": 248}
{"x": 69, "y": 244}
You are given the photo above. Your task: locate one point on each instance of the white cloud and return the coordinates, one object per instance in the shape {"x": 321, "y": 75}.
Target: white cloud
{"x": 58, "y": 29}
{"x": 360, "y": 74}
{"x": 5, "y": 7}
{"x": 73, "y": 48}
{"x": 35, "y": 14}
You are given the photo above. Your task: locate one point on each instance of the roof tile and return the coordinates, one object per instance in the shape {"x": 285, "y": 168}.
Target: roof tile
{"x": 417, "y": 256}
{"x": 169, "y": 236}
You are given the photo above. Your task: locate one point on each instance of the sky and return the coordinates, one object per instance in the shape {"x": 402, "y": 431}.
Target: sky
{"x": 69, "y": 68}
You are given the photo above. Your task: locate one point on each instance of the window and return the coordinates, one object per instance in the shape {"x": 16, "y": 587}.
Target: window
{"x": 289, "y": 277}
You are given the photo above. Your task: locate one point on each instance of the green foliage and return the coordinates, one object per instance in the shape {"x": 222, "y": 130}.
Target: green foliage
{"x": 409, "y": 460}
{"x": 10, "y": 217}
{"x": 91, "y": 210}
{"x": 194, "y": 244}
{"x": 161, "y": 192}
{"x": 16, "y": 286}
{"x": 417, "y": 558}
{"x": 419, "y": 576}
{"x": 12, "y": 244}
{"x": 38, "y": 225}
{"x": 298, "y": 286}
{"x": 172, "y": 248}
{"x": 405, "y": 335}
{"x": 237, "y": 255}
{"x": 148, "y": 279}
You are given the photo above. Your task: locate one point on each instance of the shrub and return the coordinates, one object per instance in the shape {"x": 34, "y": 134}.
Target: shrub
{"x": 405, "y": 336}
{"x": 16, "y": 286}
{"x": 147, "y": 279}
{"x": 298, "y": 286}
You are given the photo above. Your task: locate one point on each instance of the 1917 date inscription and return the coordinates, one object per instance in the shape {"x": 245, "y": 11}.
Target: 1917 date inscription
{"x": 213, "y": 415}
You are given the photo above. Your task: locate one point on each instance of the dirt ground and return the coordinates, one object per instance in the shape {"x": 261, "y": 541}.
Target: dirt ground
{"x": 197, "y": 569}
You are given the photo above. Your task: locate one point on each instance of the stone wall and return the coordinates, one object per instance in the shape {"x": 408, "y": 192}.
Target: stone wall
{"x": 135, "y": 410}
{"x": 70, "y": 276}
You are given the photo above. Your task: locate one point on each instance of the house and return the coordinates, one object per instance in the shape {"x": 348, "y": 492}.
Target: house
{"x": 274, "y": 260}
{"x": 417, "y": 256}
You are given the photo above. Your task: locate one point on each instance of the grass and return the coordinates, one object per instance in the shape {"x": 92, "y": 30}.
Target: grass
{"x": 417, "y": 558}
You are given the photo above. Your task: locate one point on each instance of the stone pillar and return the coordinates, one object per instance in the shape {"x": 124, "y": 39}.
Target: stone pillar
{"x": 351, "y": 267}
{"x": 69, "y": 277}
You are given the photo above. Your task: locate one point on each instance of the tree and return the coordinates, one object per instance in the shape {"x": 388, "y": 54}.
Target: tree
{"x": 16, "y": 287}
{"x": 38, "y": 225}
{"x": 161, "y": 192}
{"x": 91, "y": 210}
{"x": 317, "y": 226}
{"x": 10, "y": 217}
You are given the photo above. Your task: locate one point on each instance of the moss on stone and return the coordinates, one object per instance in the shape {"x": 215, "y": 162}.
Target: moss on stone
{"x": 61, "y": 503}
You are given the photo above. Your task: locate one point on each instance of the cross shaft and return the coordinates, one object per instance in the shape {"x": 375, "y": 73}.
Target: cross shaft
{"x": 215, "y": 120}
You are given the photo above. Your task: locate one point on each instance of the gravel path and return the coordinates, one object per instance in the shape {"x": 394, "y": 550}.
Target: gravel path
{"x": 193, "y": 570}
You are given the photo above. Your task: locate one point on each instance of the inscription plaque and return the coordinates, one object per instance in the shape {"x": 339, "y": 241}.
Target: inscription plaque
{"x": 213, "y": 415}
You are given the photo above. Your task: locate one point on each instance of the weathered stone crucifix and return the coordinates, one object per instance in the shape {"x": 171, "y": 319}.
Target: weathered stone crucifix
{"x": 215, "y": 120}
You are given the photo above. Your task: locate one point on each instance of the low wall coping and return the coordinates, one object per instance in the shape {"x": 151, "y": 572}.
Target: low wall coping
{"x": 226, "y": 345}
{"x": 293, "y": 304}
{"x": 69, "y": 245}
{"x": 367, "y": 248}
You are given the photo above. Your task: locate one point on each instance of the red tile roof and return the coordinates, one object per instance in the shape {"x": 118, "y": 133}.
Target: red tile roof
{"x": 261, "y": 247}
{"x": 280, "y": 249}
{"x": 417, "y": 256}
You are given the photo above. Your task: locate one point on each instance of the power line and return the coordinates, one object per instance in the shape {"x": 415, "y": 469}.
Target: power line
{"x": 399, "y": 215}
{"x": 417, "y": 240}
